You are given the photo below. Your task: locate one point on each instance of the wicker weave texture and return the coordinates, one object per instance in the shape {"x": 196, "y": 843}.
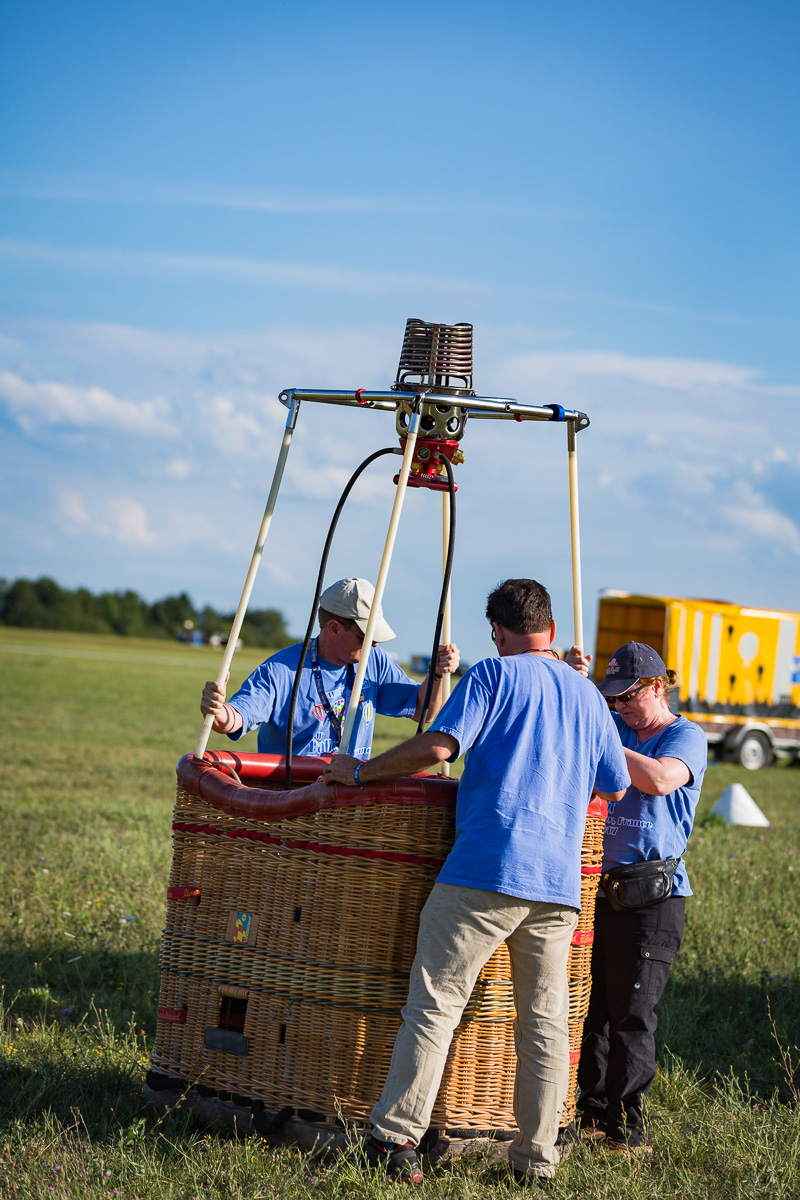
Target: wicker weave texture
{"x": 294, "y": 958}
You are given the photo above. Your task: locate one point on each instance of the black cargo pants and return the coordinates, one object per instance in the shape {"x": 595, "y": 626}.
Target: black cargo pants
{"x": 632, "y": 953}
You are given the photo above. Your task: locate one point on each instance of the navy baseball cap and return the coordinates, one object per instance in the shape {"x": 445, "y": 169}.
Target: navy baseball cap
{"x": 629, "y": 664}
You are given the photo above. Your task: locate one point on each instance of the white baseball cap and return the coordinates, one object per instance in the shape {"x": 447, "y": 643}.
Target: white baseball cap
{"x": 352, "y": 599}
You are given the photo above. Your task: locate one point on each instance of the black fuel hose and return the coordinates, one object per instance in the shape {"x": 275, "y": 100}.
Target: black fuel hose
{"x": 318, "y": 592}
{"x": 448, "y": 568}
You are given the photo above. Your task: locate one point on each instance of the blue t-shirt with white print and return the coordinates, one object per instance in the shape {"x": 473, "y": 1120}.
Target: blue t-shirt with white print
{"x": 643, "y": 827}
{"x": 264, "y": 697}
{"x": 538, "y": 738}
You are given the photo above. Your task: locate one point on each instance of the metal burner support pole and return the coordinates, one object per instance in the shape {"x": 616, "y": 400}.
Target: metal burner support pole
{"x": 575, "y": 534}
{"x": 447, "y": 622}
{"x": 380, "y": 583}
{"x": 236, "y": 627}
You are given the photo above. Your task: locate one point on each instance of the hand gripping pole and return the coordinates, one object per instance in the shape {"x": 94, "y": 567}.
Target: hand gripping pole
{"x": 380, "y": 583}
{"x": 236, "y": 627}
{"x": 575, "y": 534}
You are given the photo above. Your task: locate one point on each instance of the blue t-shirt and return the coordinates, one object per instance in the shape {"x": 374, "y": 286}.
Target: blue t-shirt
{"x": 539, "y": 737}
{"x": 642, "y": 827}
{"x": 264, "y": 698}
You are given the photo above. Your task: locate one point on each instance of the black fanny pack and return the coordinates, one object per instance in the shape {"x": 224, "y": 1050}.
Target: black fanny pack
{"x": 639, "y": 885}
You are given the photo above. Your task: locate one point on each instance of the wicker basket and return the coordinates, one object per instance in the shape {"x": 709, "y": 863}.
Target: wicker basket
{"x": 291, "y": 929}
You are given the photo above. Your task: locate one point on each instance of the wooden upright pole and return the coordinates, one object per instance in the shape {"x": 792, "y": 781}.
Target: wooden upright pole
{"x": 236, "y": 627}
{"x": 380, "y": 583}
{"x": 575, "y": 535}
{"x": 447, "y": 622}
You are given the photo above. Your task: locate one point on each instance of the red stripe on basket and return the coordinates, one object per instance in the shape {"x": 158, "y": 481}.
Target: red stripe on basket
{"x": 184, "y": 893}
{"x": 315, "y": 847}
{"x": 583, "y": 937}
{"x": 591, "y": 870}
{"x": 574, "y": 1055}
{"x": 176, "y": 1016}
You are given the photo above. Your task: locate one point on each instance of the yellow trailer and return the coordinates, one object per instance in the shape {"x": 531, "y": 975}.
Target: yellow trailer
{"x": 738, "y": 668}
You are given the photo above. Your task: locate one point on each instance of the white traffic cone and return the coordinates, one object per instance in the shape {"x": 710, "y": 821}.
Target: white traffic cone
{"x": 738, "y": 807}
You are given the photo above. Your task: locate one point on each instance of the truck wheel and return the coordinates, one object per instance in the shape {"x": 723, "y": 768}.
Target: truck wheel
{"x": 754, "y": 751}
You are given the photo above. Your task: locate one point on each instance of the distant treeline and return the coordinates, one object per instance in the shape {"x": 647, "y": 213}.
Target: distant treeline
{"x": 42, "y": 604}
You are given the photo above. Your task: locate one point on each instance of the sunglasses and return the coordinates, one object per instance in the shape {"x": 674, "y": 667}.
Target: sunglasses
{"x": 631, "y": 695}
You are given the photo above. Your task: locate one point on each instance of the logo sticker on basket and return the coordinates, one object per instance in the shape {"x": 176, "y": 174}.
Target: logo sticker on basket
{"x": 242, "y": 928}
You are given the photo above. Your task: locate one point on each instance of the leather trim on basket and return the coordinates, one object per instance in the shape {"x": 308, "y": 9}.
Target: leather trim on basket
{"x": 184, "y": 893}
{"x": 175, "y": 1016}
{"x": 583, "y": 937}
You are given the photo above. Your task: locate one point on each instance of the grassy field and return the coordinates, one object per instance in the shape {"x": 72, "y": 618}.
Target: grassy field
{"x": 92, "y": 730}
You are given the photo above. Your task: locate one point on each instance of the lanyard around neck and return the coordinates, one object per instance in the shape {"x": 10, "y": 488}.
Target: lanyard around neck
{"x": 336, "y": 722}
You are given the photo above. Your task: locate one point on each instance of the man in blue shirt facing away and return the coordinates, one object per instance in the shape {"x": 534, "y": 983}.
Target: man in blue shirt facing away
{"x": 538, "y": 739}
{"x": 326, "y": 682}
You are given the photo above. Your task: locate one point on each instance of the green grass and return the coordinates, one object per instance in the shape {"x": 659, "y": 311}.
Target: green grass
{"x": 92, "y": 730}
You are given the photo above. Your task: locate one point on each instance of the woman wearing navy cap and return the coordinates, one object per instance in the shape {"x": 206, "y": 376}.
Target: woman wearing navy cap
{"x": 634, "y": 946}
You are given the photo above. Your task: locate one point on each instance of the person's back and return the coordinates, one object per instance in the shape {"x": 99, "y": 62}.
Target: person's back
{"x": 537, "y": 739}
{"x": 539, "y": 734}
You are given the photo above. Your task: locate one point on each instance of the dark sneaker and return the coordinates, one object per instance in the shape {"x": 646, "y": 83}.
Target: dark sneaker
{"x": 399, "y": 1160}
{"x": 627, "y": 1149}
{"x": 592, "y": 1126}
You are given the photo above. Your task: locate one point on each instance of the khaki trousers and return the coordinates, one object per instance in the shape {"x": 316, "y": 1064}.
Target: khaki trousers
{"x": 460, "y": 928}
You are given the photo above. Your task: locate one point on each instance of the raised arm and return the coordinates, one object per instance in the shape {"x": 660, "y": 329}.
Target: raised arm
{"x": 578, "y": 661}
{"x": 447, "y": 661}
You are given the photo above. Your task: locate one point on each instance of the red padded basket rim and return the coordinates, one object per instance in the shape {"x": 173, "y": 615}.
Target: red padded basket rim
{"x": 203, "y": 779}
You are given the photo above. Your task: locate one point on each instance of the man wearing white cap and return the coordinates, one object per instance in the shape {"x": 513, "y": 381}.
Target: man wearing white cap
{"x": 326, "y": 682}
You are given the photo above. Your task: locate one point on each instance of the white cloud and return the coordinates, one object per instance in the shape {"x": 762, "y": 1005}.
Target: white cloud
{"x": 127, "y": 522}
{"x": 179, "y": 468}
{"x": 751, "y": 513}
{"x": 314, "y": 276}
{"x": 781, "y": 455}
{"x": 123, "y": 520}
{"x": 72, "y": 508}
{"x": 51, "y": 402}
{"x": 673, "y": 373}
{"x": 95, "y": 189}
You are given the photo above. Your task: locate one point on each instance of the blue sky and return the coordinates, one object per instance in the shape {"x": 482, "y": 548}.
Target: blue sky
{"x": 202, "y": 204}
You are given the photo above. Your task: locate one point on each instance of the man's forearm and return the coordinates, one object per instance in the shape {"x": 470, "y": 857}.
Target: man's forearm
{"x": 228, "y": 721}
{"x": 405, "y": 759}
{"x": 435, "y": 701}
{"x": 413, "y": 755}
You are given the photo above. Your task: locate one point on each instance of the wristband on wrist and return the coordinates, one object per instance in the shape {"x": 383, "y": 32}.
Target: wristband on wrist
{"x": 436, "y": 675}
{"x": 356, "y": 772}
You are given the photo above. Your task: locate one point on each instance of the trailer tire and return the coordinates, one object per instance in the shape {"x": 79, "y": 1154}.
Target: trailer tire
{"x": 754, "y": 751}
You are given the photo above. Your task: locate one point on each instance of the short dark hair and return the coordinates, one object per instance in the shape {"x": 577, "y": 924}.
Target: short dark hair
{"x": 325, "y": 619}
{"x": 520, "y": 606}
